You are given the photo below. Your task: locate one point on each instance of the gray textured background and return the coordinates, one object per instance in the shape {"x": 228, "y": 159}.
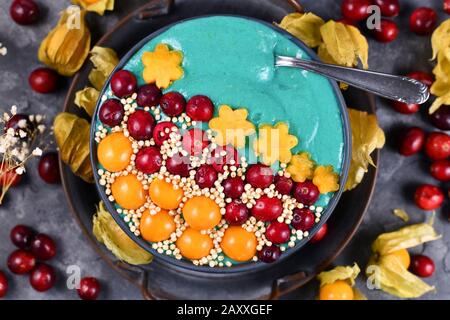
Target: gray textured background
{"x": 43, "y": 207}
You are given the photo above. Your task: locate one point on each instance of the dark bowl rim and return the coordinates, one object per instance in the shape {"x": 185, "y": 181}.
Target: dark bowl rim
{"x": 253, "y": 266}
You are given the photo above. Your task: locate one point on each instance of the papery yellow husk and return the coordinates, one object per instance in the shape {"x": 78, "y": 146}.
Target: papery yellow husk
{"x": 65, "y": 49}
{"x": 343, "y": 45}
{"x": 87, "y": 99}
{"x": 98, "y": 6}
{"x": 304, "y": 26}
{"x": 440, "y": 42}
{"x": 386, "y": 272}
{"x": 345, "y": 273}
{"x": 104, "y": 61}
{"x": 108, "y": 232}
{"x": 366, "y": 137}
{"x": 72, "y": 137}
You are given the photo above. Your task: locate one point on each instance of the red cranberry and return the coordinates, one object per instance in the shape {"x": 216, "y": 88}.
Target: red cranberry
{"x": 267, "y": 209}
{"x": 43, "y": 247}
{"x": 8, "y": 178}
{"x": 200, "y": 108}
{"x": 441, "y": 118}
{"x": 123, "y": 83}
{"x": 148, "y": 95}
{"x": 428, "y": 197}
{"x": 178, "y": 165}
{"x": 236, "y": 213}
{"x": 269, "y": 254}
{"x": 405, "y": 108}
{"x": 22, "y": 236}
{"x": 49, "y": 168}
{"x": 437, "y": 146}
{"x": 421, "y": 76}
{"x": 89, "y": 288}
{"x": 222, "y": 156}
{"x": 194, "y": 141}
{"x": 278, "y": 232}
{"x": 306, "y": 192}
{"x": 421, "y": 266}
{"x": 24, "y": 11}
{"x": 303, "y": 219}
{"x": 21, "y": 261}
{"x": 172, "y": 104}
{"x": 447, "y": 6}
{"x": 320, "y": 234}
{"x": 140, "y": 125}
{"x": 162, "y": 132}
{"x": 422, "y": 21}
{"x": 148, "y": 160}
{"x": 388, "y": 8}
{"x": 387, "y": 32}
{"x": 259, "y": 175}
{"x": 355, "y": 10}
{"x": 412, "y": 141}
{"x": 233, "y": 187}
{"x": 43, "y": 80}
{"x": 283, "y": 184}
{"x": 3, "y": 285}
{"x": 205, "y": 176}
{"x": 111, "y": 112}
{"x": 440, "y": 170}
{"x": 43, "y": 277}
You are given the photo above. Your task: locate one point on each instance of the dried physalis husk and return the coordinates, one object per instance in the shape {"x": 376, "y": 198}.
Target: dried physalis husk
{"x": 66, "y": 47}
{"x": 108, "y": 232}
{"x": 343, "y": 44}
{"x": 402, "y": 214}
{"x": 366, "y": 137}
{"x": 104, "y": 61}
{"x": 440, "y": 42}
{"x": 72, "y": 137}
{"x": 87, "y": 99}
{"x": 304, "y": 26}
{"x": 342, "y": 273}
{"x": 387, "y": 272}
{"x": 99, "y": 6}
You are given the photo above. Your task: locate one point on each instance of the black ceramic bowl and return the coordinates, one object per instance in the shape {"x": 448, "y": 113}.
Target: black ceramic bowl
{"x": 183, "y": 263}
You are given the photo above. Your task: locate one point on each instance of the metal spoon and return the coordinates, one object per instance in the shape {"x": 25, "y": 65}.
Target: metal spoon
{"x": 393, "y": 87}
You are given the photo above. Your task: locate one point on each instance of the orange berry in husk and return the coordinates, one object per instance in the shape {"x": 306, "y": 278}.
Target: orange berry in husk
{"x": 201, "y": 213}
{"x": 338, "y": 290}
{"x": 157, "y": 227}
{"x": 238, "y": 243}
{"x": 128, "y": 192}
{"x": 114, "y": 152}
{"x": 164, "y": 194}
{"x": 194, "y": 245}
{"x": 403, "y": 257}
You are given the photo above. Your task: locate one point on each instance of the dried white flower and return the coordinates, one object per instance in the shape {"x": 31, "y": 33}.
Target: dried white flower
{"x": 14, "y": 110}
{"x": 37, "y": 152}
{"x": 20, "y": 170}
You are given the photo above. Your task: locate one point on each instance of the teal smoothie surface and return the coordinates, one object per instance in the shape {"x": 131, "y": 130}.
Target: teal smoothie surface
{"x": 231, "y": 60}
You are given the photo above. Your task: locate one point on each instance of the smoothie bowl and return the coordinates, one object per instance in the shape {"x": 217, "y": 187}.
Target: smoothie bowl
{"x": 211, "y": 158}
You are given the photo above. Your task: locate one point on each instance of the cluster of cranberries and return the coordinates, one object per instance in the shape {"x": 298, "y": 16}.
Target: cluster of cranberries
{"x": 422, "y": 20}
{"x": 33, "y": 248}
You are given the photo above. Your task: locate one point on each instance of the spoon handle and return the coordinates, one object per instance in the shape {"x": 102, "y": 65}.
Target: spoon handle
{"x": 393, "y": 87}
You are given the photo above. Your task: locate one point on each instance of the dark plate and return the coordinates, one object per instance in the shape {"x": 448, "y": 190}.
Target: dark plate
{"x": 171, "y": 281}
